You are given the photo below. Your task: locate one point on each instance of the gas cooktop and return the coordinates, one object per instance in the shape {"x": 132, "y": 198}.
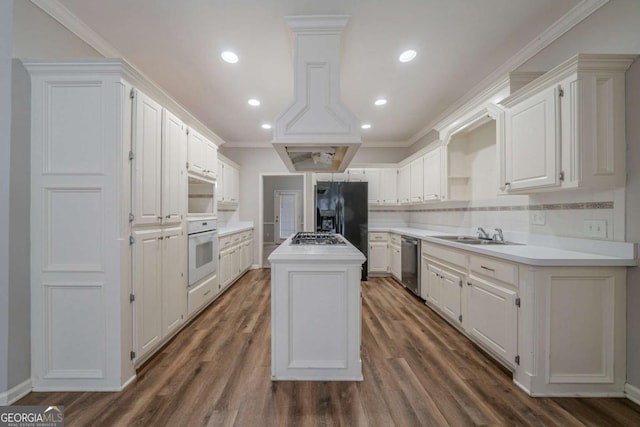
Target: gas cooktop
{"x": 306, "y": 238}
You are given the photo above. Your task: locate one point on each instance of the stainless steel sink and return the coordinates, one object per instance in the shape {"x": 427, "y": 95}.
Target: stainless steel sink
{"x": 470, "y": 240}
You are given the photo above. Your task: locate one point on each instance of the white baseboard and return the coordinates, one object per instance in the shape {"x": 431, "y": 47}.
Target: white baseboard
{"x": 16, "y": 393}
{"x": 632, "y": 393}
{"x": 255, "y": 267}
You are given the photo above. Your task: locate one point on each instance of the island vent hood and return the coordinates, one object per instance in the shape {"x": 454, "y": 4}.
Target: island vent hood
{"x": 317, "y": 133}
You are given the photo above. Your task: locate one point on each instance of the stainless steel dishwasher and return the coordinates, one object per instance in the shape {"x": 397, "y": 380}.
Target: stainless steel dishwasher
{"x": 410, "y": 253}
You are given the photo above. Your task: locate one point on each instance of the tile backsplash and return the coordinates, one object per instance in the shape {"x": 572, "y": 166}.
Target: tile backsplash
{"x": 559, "y": 214}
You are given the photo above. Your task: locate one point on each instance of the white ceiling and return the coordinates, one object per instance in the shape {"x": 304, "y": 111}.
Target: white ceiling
{"x": 178, "y": 44}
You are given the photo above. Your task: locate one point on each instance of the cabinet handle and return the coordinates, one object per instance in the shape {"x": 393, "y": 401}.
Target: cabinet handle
{"x": 160, "y": 218}
{"x": 507, "y": 184}
{"x": 160, "y": 238}
{"x": 487, "y": 268}
{"x": 168, "y": 216}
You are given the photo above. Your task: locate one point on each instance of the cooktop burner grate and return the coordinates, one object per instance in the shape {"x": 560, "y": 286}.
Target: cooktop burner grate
{"x": 308, "y": 238}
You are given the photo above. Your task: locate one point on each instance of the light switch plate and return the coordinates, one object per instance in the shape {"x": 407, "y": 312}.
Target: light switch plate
{"x": 596, "y": 228}
{"x": 537, "y": 218}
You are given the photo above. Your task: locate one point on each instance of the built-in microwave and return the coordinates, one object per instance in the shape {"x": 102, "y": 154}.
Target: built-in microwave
{"x": 201, "y": 197}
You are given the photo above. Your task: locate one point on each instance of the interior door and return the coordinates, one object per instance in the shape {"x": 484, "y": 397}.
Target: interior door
{"x": 287, "y": 213}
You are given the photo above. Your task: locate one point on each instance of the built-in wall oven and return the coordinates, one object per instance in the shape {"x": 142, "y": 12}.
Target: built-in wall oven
{"x": 203, "y": 248}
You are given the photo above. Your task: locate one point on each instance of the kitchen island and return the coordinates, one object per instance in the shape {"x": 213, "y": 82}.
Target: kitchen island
{"x": 316, "y": 311}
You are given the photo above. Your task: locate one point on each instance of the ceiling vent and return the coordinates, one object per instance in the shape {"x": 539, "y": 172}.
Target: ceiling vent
{"x": 317, "y": 133}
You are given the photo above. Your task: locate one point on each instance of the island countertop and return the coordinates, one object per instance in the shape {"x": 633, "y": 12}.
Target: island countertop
{"x": 346, "y": 253}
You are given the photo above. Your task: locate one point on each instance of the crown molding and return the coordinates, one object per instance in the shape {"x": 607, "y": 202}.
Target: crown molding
{"x": 569, "y": 20}
{"x": 70, "y": 21}
{"x": 365, "y": 144}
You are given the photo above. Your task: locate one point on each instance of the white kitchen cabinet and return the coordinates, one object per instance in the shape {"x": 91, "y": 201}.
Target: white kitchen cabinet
{"x": 429, "y": 282}
{"x": 203, "y": 156}
{"x": 442, "y": 287}
{"x": 147, "y": 160}
{"x": 174, "y": 279}
{"x": 532, "y": 144}
{"x": 416, "y": 176}
{"x": 236, "y": 256}
{"x": 229, "y": 184}
{"x": 378, "y": 256}
{"x": 159, "y": 285}
{"x": 395, "y": 259}
{"x": 372, "y": 177}
{"x": 566, "y": 129}
{"x": 404, "y": 184}
{"x": 201, "y": 294}
{"x": 174, "y": 157}
{"x": 147, "y": 279}
{"x": 357, "y": 175}
{"x": 432, "y": 173}
{"x": 388, "y": 187}
{"x": 492, "y": 318}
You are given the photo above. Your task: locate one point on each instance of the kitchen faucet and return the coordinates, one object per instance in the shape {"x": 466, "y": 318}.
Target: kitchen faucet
{"x": 498, "y": 237}
{"x": 483, "y": 234}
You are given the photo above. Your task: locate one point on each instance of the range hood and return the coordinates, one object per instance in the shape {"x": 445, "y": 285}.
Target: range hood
{"x": 317, "y": 133}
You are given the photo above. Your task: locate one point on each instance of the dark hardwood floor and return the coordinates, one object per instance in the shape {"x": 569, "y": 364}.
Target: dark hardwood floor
{"x": 418, "y": 371}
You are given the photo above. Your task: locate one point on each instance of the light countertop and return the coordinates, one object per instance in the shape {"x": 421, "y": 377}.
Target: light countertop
{"x": 235, "y": 227}
{"x": 530, "y": 254}
{"x": 287, "y": 252}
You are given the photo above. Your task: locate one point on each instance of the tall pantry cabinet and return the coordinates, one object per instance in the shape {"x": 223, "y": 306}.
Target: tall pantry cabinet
{"x": 108, "y": 204}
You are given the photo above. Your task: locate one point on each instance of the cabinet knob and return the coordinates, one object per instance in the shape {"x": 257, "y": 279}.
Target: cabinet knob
{"x": 168, "y": 216}
{"x": 159, "y": 218}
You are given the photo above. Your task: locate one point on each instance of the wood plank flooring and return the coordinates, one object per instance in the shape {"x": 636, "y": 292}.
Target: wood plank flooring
{"x": 418, "y": 371}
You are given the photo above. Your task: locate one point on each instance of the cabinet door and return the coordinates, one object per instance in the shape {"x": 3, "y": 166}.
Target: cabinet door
{"x": 396, "y": 262}
{"x": 197, "y": 161}
{"x": 174, "y": 279}
{"x": 432, "y": 282}
{"x": 378, "y": 261}
{"x": 147, "y": 163}
{"x": 357, "y": 175}
{"x": 532, "y": 142}
{"x": 450, "y": 294}
{"x": 147, "y": 288}
{"x": 210, "y": 159}
{"x": 227, "y": 272}
{"x": 247, "y": 252}
{"x": 388, "y": 186}
{"x": 432, "y": 172}
{"x": 220, "y": 183}
{"x": 373, "y": 180}
{"x": 417, "y": 180}
{"x": 492, "y": 317}
{"x": 235, "y": 188}
{"x": 404, "y": 184}
{"x": 174, "y": 159}
{"x": 230, "y": 187}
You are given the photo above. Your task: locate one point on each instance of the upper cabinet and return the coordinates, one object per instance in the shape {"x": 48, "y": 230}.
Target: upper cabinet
{"x": 417, "y": 181}
{"x": 228, "y": 187}
{"x": 388, "y": 186}
{"x": 203, "y": 156}
{"x": 159, "y": 156}
{"x": 432, "y": 174}
{"x": 404, "y": 184}
{"x": 566, "y": 129}
{"x": 372, "y": 177}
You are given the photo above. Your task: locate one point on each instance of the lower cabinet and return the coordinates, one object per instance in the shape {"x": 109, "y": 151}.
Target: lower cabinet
{"x": 202, "y": 293}
{"x": 378, "y": 256}
{"x": 395, "y": 256}
{"x": 159, "y": 285}
{"x": 492, "y": 318}
{"x": 442, "y": 288}
{"x": 236, "y": 256}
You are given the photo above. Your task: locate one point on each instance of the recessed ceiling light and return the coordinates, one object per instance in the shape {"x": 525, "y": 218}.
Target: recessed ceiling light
{"x": 254, "y": 102}
{"x": 380, "y": 101}
{"x": 366, "y": 126}
{"x": 266, "y": 126}
{"x": 229, "y": 57}
{"x": 407, "y": 55}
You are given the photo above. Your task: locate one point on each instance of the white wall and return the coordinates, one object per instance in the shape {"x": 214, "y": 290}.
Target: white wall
{"x": 633, "y": 222}
{"x": 423, "y": 142}
{"x": 380, "y": 155}
{"x": 19, "y": 233}
{"x": 37, "y": 35}
{"x": 5, "y": 170}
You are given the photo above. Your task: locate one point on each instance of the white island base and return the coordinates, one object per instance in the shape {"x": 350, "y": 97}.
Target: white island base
{"x": 315, "y": 313}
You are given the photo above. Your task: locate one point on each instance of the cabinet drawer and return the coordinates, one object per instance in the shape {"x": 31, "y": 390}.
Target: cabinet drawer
{"x": 451, "y": 256}
{"x": 201, "y": 294}
{"x": 378, "y": 237}
{"x": 235, "y": 238}
{"x": 497, "y": 269}
{"x": 225, "y": 242}
{"x": 246, "y": 235}
{"x": 395, "y": 239}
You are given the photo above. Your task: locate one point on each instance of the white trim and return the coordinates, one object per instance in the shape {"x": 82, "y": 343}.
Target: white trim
{"x": 569, "y": 20}
{"x": 57, "y": 11}
{"x": 632, "y": 393}
{"x": 365, "y": 144}
{"x": 15, "y": 393}
{"x": 132, "y": 379}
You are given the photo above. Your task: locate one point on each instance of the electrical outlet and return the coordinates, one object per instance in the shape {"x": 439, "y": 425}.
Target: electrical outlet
{"x": 537, "y": 218}
{"x": 596, "y": 228}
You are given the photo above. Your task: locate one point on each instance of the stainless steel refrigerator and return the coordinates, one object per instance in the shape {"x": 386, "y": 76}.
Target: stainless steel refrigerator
{"x": 341, "y": 207}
